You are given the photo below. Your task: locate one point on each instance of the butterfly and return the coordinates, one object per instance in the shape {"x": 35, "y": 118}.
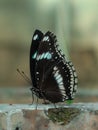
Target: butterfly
{"x": 53, "y": 77}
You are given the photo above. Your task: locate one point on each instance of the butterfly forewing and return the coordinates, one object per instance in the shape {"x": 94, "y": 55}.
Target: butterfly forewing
{"x": 45, "y": 57}
{"x": 37, "y": 37}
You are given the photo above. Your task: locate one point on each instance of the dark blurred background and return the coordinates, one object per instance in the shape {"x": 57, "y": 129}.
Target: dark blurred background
{"x": 75, "y": 22}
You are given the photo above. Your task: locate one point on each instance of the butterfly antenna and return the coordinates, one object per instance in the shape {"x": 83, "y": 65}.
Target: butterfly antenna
{"x": 24, "y": 76}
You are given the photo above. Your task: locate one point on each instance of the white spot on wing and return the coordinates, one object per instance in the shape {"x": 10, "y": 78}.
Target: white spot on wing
{"x": 38, "y": 57}
{"x": 34, "y": 56}
{"x": 58, "y": 76}
{"x": 35, "y": 37}
{"x": 46, "y": 38}
{"x": 55, "y": 68}
{"x": 55, "y": 75}
{"x": 59, "y": 81}
{"x": 47, "y": 56}
{"x": 56, "y": 57}
{"x": 71, "y": 85}
{"x": 75, "y": 87}
{"x": 71, "y": 82}
{"x": 42, "y": 56}
{"x": 75, "y": 74}
{"x": 76, "y": 80}
{"x": 37, "y": 72}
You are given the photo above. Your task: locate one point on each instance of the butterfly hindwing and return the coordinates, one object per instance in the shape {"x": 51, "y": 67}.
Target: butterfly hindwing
{"x": 60, "y": 83}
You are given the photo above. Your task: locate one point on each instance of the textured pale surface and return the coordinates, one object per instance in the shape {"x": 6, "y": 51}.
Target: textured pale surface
{"x": 26, "y": 117}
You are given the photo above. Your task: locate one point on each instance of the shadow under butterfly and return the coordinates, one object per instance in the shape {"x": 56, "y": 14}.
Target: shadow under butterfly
{"x": 53, "y": 77}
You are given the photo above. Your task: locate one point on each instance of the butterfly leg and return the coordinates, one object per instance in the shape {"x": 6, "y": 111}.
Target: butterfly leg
{"x": 54, "y": 105}
{"x": 45, "y": 102}
{"x": 32, "y": 95}
{"x": 36, "y": 103}
{"x": 32, "y": 98}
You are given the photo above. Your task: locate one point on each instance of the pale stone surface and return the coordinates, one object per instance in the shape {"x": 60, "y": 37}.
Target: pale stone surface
{"x": 3, "y": 121}
{"x": 16, "y": 120}
{"x": 26, "y": 117}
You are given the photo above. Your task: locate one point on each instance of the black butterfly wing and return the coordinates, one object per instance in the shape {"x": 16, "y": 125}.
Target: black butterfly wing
{"x": 65, "y": 78}
{"x": 45, "y": 57}
{"x": 37, "y": 37}
{"x": 56, "y": 78}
